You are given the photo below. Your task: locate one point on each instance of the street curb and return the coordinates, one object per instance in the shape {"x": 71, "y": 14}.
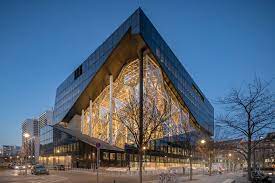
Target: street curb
{"x": 229, "y": 181}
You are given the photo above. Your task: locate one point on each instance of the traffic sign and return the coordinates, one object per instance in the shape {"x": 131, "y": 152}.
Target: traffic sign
{"x": 97, "y": 145}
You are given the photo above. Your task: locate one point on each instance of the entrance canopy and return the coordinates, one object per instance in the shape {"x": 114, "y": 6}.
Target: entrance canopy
{"x": 87, "y": 139}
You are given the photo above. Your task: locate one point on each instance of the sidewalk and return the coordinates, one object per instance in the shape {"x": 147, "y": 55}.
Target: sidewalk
{"x": 207, "y": 179}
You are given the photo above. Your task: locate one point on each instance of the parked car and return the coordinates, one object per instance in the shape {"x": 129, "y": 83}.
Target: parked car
{"x": 268, "y": 171}
{"x": 11, "y": 165}
{"x": 59, "y": 167}
{"x": 259, "y": 177}
{"x": 39, "y": 169}
{"x": 19, "y": 167}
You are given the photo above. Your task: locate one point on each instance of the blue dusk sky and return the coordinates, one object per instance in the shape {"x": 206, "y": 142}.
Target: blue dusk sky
{"x": 222, "y": 44}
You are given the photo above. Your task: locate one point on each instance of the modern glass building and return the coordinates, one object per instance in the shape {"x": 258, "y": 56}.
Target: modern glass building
{"x": 90, "y": 105}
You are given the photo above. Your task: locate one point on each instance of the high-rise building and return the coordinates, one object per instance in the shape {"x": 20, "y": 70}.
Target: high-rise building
{"x": 9, "y": 150}
{"x": 90, "y": 102}
{"x": 31, "y": 127}
{"x": 45, "y": 121}
{"x": 30, "y": 139}
{"x": 45, "y": 118}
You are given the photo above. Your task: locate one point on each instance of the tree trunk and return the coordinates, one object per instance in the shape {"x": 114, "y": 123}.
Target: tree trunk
{"x": 249, "y": 158}
{"x": 140, "y": 112}
{"x": 140, "y": 165}
{"x": 254, "y": 159}
{"x": 210, "y": 164}
{"x": 263, "y": 155}
{"x": 191, "y": 169}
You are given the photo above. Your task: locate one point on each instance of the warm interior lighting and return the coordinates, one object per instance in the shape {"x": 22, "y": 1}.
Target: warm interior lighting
{"x": 124, "y": 86}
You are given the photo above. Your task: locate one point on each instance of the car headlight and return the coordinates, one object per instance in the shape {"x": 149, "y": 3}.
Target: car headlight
{"x": 269, "y": 173}
{"x": 16, "y": 167}
{"x": 23, "y": 166}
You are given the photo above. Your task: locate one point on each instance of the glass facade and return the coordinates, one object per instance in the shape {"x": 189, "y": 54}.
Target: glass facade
{"x": 165, "y": 79}
{"x": 200, "y": 107}
{"x": 69, "y": 91}
{"x": 46, "y": 140}
{"x": 72, "y": 87}
{"x": 58, "y": 147}
{"x": 167, "y": 147}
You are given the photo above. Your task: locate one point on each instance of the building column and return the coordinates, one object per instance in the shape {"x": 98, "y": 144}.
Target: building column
{"x": 111, "y": 111}
{"x": 82, "y": 121}
{"x": 91, "y": 119}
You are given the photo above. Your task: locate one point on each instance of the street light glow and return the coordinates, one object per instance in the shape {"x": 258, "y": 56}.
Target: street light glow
{"x": 203, "y": 141}
{"x": 144, "y": 148}
{"x": 26, "y": 135}
{"x": 229, "y": 154}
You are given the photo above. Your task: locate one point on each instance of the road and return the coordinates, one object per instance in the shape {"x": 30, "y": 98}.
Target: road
{"x": 215, "y": 178}
{"x": 14, "y": 176}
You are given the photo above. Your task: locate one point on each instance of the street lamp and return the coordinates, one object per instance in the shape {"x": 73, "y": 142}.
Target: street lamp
{"x": 203, "y": 141}
{"x": 144, "y": 149}
{"x": 229, "y": 154}
{"x": 26, "y": 135}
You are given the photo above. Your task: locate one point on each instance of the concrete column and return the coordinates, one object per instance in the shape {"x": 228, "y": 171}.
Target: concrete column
{"x": 82, "y": 120}
{"x": 91, "y": 119}
{"x": 111, "y": 111}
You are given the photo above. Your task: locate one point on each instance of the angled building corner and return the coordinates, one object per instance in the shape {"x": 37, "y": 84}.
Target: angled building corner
{"x": 86, "y": 101}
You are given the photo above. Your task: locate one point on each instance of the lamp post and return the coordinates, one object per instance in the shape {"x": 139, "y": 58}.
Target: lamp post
{"x": 144, "y": 149}
{"x": 26, "y": 136}
{"x": 229, "y": 161}
{"x": 203, "y": 142}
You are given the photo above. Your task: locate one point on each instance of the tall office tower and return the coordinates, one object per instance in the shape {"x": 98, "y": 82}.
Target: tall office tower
{"x": 30, "y": 139}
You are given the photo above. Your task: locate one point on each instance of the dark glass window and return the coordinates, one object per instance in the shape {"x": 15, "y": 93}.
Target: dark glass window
{"x": 78, "y": 72}
{"x": 198, "y": 92}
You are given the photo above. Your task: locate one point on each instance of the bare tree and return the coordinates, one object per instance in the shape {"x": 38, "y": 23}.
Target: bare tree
{"x": 190, "y": 145}
{"x": 249, "y": 112}
{"x": 156, "y": 111}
